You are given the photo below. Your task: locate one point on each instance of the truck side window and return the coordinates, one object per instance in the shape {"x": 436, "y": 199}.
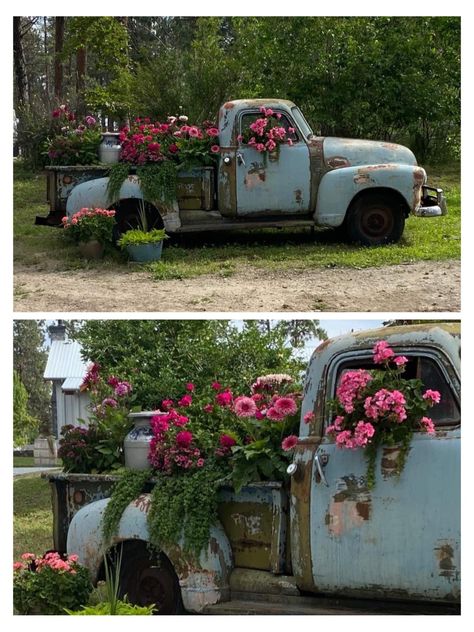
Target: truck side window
{"x": 284, "y": 121}
{"x": 428, "y": 371}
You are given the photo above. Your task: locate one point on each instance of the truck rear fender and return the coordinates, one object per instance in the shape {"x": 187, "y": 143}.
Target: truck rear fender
{"x": 94, "y": 194}
{"x": 340, "y": 188}
{"x": 202, "y": 583}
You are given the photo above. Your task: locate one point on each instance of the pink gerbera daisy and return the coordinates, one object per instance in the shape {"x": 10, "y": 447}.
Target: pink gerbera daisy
{"x": 285, "y": 406}
{"x": 245, "y": 407}
{"x": 289, "y": 443}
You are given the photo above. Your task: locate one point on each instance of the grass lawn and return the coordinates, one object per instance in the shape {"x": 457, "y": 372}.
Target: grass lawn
{"x": 32, "y": 516}
{"x": 222, "y": 254}
{"x": 23, "y": 461}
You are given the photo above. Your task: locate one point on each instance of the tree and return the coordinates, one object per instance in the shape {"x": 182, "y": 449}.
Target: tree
{"x": 160, "y": 357}
{"x": 58, "y": 62}
{"x": 25, "y": 426}
{"x": 29, "y": 361}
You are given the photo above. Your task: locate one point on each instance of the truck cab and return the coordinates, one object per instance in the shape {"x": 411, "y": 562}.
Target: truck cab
{"x": 323, "y": 535}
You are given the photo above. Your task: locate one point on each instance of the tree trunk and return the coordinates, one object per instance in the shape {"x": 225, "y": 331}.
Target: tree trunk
{"x": 81, "y": 68}
{"x": 58, "y": 64}
{"x": 19, "y": 65}
{"x": 46, "y": 61}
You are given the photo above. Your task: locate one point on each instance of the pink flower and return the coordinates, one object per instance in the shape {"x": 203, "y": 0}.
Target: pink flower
{"x": 285, "y": 405}
{"x": 18, "y": 566}
{"x": 274, "y": 415}
{"x": 382, "y": 352}
{"x": 193, "y": 131}
{"x": 122, "y": 389}
{"x": 73, "y": 558}
{"x": 259, "y": 415}
{"x": 180, "y": 420}
{"x": 200, "y": 463}
{"x": 289, "y": 443}
{"x": 28, "y": 556}
{"x": 212, "y": 131}
{"x": 216, "y": 386}
{"x": 173, "y": 148}
{"x": 429, "y": 425}
{"x": 309, "y": 417}
{"x": 167, "y": 403}
{"x": 208, "y": 408}
{"x": 432, "y": 397}
{"x": 224, "y": 399}
{"x": 215, "y": 149}
{"x": 226, "y": 441}
{"x": 245, "y": 407}
{"x": 159, "y": 423}
{"x": 185, "y": 401}
{"x": 110, "y": 401}
{"x": 400, "y": 360}
{"x": 184, "y": 438}
{"x": 90, "y": 120}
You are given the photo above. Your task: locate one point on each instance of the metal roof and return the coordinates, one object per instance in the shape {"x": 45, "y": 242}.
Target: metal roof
{"x": 71, "y": 384}
{"x": 64, "y": 360}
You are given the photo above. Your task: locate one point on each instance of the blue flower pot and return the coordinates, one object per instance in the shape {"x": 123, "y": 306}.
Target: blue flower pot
{"x": 144, "y": 253}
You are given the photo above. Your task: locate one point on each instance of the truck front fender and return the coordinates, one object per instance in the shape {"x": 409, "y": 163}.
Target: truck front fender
{"x": 339, "y": 187}
{"x": 203, "y": 582}
{"x": 93, "y": 193}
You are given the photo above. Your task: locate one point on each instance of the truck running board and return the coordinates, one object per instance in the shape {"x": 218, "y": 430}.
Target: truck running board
{"x": 236, "y": 225}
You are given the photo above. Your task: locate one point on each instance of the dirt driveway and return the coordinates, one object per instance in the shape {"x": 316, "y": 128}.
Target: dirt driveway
{"x": 430, "y": 286}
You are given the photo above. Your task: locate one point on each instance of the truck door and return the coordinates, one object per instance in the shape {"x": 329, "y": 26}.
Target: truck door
{"x": 400, "y": 539}
{"x": 272, "y": 184}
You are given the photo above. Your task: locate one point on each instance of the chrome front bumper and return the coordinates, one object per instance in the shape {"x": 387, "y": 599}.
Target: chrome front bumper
{"x": 433, "y": 203}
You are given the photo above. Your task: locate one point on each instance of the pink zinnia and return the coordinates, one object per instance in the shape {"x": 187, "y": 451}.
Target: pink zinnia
{"x": 245, "y": 407}
{"x": 308, "y": 417}
{"x": 215, "y": 149}
{"x": 190, "y": 387}
{"x": 274, "y": 415}
{"x": 286, "y": 405}
{"x": 289, "y": 443}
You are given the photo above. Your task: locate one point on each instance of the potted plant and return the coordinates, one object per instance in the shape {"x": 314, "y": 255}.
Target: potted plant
{"x": 49, "y": 584}
{"x": 91, "y": 229}
{"x": 143, "y": 245}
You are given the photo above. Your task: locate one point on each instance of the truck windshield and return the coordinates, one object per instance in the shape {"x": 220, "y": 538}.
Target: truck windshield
{"x": 301, "y": 122}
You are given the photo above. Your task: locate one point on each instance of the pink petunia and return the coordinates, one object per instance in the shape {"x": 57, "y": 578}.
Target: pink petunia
{"x": 289, "y": 443}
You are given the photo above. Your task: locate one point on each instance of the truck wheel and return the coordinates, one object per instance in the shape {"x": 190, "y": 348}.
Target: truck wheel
{"x": 147, "y": 578}
{"x": 375, "y": 220}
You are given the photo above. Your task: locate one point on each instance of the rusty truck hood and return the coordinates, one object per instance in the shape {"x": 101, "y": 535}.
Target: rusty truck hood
{"x": 348, "y": 152}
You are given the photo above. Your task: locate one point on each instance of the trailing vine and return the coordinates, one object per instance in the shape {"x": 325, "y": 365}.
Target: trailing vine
{"x": 126, "y": 489}
{"x": 117, "y": 175}
{"x": 158, "y": 181}
{"x": 184, "y": 507}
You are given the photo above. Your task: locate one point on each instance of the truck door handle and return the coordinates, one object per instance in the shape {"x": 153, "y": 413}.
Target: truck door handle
{"x": 319, "y": 466}
{"x": 240, "y": 158}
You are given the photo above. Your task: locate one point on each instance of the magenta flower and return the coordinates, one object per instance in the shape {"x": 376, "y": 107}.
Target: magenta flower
{"x": 309, "y": 417}
{"x": 122, "y": 389}
{"x": 400, "y": 360}
{"x": 184, "y": 438}
{"x": 226, "y": 441}
{"x": 190, "y": 387}
{"x": 208, "y": 408}
{"x": 274, "y": 415}
{"x": 289, "y": 443}
{"x": 167, "y": 403}
{"x": 216, "y": 386}
{"x": 224, "y": 399}
{"x": 185, "y": 401}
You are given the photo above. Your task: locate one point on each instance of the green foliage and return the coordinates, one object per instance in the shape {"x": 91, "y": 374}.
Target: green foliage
{"x": 136, "y": 237}
{"x": 122, "y": 608}
{"x": 90, "y": 224}
{"x": 32, "y": 515}
{"x": 48, "y": 590}
{"x": 126, "y": 489}
{"x": 159, "y": 356}
{"x": 32, "y": 132}
{"x": 29, "y": 362}
{"x": 25, "y": 426}
{"x": 117, "y": 175}
{"x": 158, "y": 182}
{"x": 258, "y": 461}
{"x": 184, "y": 508}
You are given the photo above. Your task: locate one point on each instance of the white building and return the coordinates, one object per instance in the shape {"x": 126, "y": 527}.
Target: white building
{"x": 66, "y": 370}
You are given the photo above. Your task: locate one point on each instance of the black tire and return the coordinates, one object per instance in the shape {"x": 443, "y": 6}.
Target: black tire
{"x": 147, "y": 578}
{"x": 375, "y": 219}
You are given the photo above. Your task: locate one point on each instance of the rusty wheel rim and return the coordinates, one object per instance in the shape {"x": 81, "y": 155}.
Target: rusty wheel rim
{"x": 377, "y": 222}
{"x": 155, "y": 586}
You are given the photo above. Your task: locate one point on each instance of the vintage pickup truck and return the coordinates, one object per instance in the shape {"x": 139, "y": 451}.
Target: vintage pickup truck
{"x": 296, "y": 548}
{"x": 367, "y": 187}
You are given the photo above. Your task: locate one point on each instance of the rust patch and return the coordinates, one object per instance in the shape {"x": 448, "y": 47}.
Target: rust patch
{"x": 78, "y": 497}
{"x": 229, "y": 105}
{"x": 392, "y": 146}
{"x": 142, "y": 503}
{"x": 350, "y": 507}
{"x": 362, "y": 178}
{"x": 337, "y": 162}
{"x": 389, "y": 462}
{"x": 298, "y": 196}
{"x": 444, "y": 554}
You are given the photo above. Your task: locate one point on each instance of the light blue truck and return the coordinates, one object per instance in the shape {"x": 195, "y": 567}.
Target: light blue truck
{"x": 367, "y": 187}
{"x": 324, "y": 542}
